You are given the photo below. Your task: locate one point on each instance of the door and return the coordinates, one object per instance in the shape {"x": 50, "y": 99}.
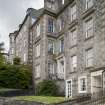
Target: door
{"x": 68, "y": 88}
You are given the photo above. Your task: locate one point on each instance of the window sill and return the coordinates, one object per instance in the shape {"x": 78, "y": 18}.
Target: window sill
{"x": 37, "y": 78}
{"x": 73, "y": 46}
{"x": 82, "y": 92}
{"x": 72, "y": 72}
{"x": 73, "y": 23}
{"x": 37, "y": 39}
{"x": 37, "y": 57}
{"x": 91, "y": 67}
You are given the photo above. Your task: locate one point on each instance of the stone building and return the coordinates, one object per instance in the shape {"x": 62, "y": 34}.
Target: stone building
{"x": 23, "y": 38}
{"x": 68, "y": 45}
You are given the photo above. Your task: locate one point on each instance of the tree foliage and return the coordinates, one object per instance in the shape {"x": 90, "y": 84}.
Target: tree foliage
{"x": 2, "y": 60}
{"x": 12, "y": 76}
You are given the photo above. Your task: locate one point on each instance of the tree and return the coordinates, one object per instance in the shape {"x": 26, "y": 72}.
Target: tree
{"x": 1, "y": 47}
{"x": 15, "y": 76}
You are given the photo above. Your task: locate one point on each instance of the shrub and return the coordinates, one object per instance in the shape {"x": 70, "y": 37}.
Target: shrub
{"x": 47, "y": 88}
{"x": 17, "y": 61}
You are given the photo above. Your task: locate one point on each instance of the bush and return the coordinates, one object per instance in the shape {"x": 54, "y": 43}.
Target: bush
{"x": 17, "y": 61}
{"x": 47, "y": 88}
{"x": 13, "y": 76}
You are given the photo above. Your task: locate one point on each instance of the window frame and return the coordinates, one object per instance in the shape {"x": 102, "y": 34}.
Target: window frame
{"x": 38, "y": 48}
{"x": 49, "y": 45}
{"x": 79, "y": 84}
{"x": 61, "y": 49}
{"x": 73, "y": 13}
{"x": 73, "y": 37}
{"x": 89, "y": 58}
{"x": 87, "y": 2}
{"x": 51, "y": 67}
{"x": 89, "y": 27}
{"x": 37, "y": 68}
{"x": 73, "y": 65}
{"x": 67, "y": 94}
{"x": 50, "y": 25}
{"x": 38, "y": 30}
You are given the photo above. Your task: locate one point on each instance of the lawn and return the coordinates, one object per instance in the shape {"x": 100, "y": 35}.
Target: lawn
{"x": 42, "y": 99}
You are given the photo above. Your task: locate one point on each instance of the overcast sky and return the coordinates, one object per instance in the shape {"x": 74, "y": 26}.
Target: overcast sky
{"x": 12, "y": 13}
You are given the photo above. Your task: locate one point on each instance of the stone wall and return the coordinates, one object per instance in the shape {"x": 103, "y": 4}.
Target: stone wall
{"x": 7, "y": 101}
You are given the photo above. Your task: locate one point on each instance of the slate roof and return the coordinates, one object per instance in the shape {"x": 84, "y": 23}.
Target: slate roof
{"x": 36, "y": 13}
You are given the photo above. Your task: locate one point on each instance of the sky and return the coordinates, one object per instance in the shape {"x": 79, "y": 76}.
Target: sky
{"x": 12, "y": 13}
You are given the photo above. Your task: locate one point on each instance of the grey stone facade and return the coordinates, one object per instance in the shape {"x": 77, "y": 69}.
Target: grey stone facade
{"x": 96, "y": 42}
{"x": 58, "y": 59}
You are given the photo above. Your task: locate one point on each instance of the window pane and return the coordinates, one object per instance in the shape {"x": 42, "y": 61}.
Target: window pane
{"x": 50, "y": 25}
{"x": 74, "y": 37}
{"x": 74, "y": 63}
{"x": 37, "y": 73}
{"x": 51, "y": 47}
{"x": 38, "y": 50}
{"x": 73, "y": 13}
{"x": 89, "y": 57}
{"x": 83, "y": 84}
{"x": 62, "y": 46}
{"x": 38, "y": 29}
{"x": 89, "y": 28}
{"x": 89, "y": 3}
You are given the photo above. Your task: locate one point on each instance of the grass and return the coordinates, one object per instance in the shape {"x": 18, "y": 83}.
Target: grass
{"x": 42, "y": 99}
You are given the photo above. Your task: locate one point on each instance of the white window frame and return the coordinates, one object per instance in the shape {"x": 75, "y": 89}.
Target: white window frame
{"x": 79, "y": 84}
{"x": 37, "y": 71}
{"x": 67, "y": 94}
{"x": 89, "y": 27}
{"x": 73, "y": 12}
{"x": 73, "y": 63}
{"x": 89, "y": 4}
{"x": 38, "y": 50}
{"x": 89, "y": 58}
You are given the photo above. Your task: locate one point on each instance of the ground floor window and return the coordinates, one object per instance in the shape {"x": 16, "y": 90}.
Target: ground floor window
{"x": 68, "y": 88}
{"x": 82, "y": 84}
